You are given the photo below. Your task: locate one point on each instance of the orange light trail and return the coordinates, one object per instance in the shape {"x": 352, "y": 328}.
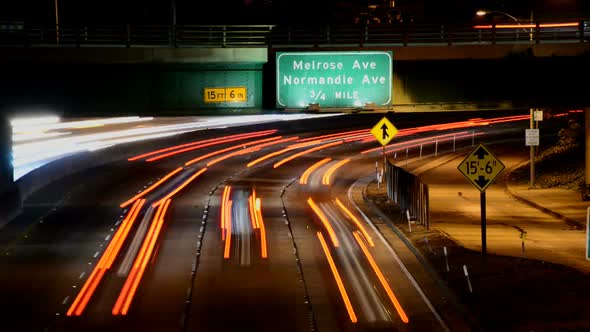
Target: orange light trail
{"x": 324, "y": 221}
{"x": 260, "y": 222}
{"x": 179, "y": 188}
{"x": 528, "y": 26}
{"x": 249, "y": 150}
{"x": 217, "y": 142}
{"x": 356, "y": 222}
{"x": 331, "y": 170}
{"x": 430, "y": 140}
{"x": 218, "y": 139}
{"x": 152, "y": 187}
{"x": 302, "y": 153}
{"x": 307, "y": 173}
{"x": 226, "y": 250}
{"x": 392, "y": 297}
{"x": 346, "y": 133}
{"x": 222, "y": 213}
{"x": 214, "y": 153}
{"x": 121, "y": 235}
{"x": 287, "y": 149}
{"x": 132, "y": 283}
{"x": 103, "y": 264}
{"x": 421, "y": 140}
{"x": 339, "y": 282}
{"x": 454, "y": 125}
{"x": 251, "y": 207}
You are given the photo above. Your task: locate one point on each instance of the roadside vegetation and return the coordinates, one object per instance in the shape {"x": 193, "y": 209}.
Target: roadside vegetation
{"x": 559, "y": 162}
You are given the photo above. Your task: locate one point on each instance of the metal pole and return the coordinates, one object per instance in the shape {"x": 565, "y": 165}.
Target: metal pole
{"x": 436, "y": 148}
{"x": 586, "y": 193}
{"x": 56, "y": 22}
{"x": 173, "y": 11}
{"x": 406, "y": 156}
{"x": 384, "y": 159}
{"x": 482, "y": 198}
{"x": 532, "y": 153}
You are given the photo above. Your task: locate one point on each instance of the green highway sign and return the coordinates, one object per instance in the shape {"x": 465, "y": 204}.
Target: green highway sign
{"x": 334, "y": 79}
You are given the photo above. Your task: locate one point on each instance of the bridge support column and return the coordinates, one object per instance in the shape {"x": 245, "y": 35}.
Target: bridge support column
{"x": 586, "y": 192}
{"x": 10, "y": 202}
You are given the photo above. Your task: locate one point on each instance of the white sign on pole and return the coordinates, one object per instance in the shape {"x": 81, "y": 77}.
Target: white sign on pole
{"x": 532, "y": 137}
{"x": 538, "y": 116}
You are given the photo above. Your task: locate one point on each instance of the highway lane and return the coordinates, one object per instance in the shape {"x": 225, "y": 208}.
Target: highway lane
{"x": 228, "y": 293}
{"x": 41, "y": 139}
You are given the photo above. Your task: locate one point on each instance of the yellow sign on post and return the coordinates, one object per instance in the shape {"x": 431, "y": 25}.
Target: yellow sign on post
{"x": 384, "y": 131}
{"x": 481, "y": 167}
{"x": 225, "y": 95}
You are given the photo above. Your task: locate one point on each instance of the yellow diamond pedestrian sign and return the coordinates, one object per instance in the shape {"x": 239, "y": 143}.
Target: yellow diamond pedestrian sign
{"x": 384, "y": 131}
{"x": 481, "y": 167}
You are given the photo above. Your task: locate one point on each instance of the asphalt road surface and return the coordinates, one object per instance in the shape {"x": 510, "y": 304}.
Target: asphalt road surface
{"x": 239, "y": 238}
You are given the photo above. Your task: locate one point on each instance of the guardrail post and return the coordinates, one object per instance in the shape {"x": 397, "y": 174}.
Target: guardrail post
{"x": 581, "y": 30}
{"x": 449, "y": 36}
{"x": 78, "y": 37}
{"x": 128, "y": 35}
{"x": 173, "y": 36}
{"x": 405, "y": 35}
{"x": 494, "y": 34}
{"x": 537, "y": 33}
{"x": 224, "y": 40}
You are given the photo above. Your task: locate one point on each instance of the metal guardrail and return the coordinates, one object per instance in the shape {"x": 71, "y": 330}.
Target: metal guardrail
{"x": 409, "y": 192}
{"x": 20, "y": 35}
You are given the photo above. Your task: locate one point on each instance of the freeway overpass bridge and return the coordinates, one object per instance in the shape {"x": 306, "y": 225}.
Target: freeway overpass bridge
{"x": 173, "y": 70}
{"x": 90, "y": 70}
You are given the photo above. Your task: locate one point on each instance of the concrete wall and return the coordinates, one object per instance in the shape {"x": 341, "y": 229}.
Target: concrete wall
{"x": 118, "y": 89}
{"x": 9, "y": 195}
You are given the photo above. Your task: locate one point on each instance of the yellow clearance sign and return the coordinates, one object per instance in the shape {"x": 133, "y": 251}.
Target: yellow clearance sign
{"x": 384, "y": 131}
{"x": 481, "y": 167}
{"x": 225, "y": 95}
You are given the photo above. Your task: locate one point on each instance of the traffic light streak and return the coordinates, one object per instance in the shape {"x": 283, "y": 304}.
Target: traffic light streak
{"x": 205, "y": 143}
{"x": 390, "y": 294}
{"x": 134, "y": 278}
{"x": 228, "y": 225}
{"x": 356, "y": 222}
{"x": 302, "y": 153}
{"x": 151, "y": 188}
{"x": 307, "y": 173}
{"x": 184, "y": 184}
{"x": 331, "y": 170}
{"x": 324, "y": 221}
{"x": 105, "y": 262}
{"x": 231, "y": 148}
{"x": 339, "y": 282}
{"x": 260, "y": 223}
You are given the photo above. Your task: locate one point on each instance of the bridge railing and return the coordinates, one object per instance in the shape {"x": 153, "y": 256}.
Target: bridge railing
{"x": 287, "y": 36}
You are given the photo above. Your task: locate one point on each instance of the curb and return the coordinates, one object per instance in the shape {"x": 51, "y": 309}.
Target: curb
{"x": 554, "y": 214}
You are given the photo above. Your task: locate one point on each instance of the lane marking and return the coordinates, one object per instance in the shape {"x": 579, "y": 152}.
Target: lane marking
{"x": 398, "y": 260}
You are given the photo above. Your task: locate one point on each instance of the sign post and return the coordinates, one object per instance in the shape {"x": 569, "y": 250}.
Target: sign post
{"x": 588, "y": 234}
{"x": 481, "y": 167}
{"x": 384, "y": 131}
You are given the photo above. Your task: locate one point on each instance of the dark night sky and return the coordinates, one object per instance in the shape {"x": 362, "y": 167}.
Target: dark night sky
{"x": 271, "y": 11}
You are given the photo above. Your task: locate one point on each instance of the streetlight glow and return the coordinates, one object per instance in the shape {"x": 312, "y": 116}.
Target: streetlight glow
{"x": 481, "y": 13}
